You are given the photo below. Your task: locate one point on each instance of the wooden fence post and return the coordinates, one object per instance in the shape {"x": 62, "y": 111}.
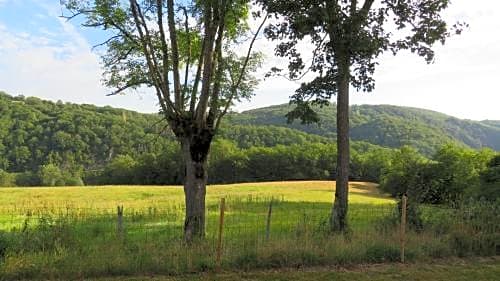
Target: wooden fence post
{"x": 268, "y": 225}
{"x": 404, "y": 200}
{"x": 221, "y": 229}
{"x": 119, "y": 225}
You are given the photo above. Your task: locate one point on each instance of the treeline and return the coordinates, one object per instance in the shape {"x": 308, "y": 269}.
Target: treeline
{"x": 452, "y": 175}
{"x": 228, "y": 163}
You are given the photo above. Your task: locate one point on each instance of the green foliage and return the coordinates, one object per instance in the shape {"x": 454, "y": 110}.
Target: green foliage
{"x": 381, "y": 252}
{"x": 490, "y": 181}
{"x": 402, "y": 176}
{"x": 74, "y": 181}
{"x": 451, "y": 175}
{"x": 4, "y": 245}
{"x": 27, "y": 179}
{"x": 34, "y": 132}
{"x": 7, "y": 179}
{"x": 120, "y": 170}
{"x": 51, "y": 175}
{"x": 384, "y": 125}
{"x": 458, "y": 171}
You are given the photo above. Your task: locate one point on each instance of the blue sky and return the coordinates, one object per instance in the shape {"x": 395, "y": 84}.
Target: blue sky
{"x": 45, "y": 56}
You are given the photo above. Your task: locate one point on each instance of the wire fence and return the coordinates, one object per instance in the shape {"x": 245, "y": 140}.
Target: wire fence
{"x": 255, "y": 232}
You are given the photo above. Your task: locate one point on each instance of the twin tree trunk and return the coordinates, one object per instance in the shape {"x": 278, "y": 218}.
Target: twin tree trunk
{"x": 195, "y": 150}
{"x": 338, "y": 220}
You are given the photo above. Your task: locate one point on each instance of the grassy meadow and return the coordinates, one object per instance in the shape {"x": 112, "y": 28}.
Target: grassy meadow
{"x": 69, "y": 233}
{"x": 103, "y": 197}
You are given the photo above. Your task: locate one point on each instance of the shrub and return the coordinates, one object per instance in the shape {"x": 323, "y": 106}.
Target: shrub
{"x": 27, "y": 179}
{"x": 3, "y": 245}
{"x": 74, "y": 181}
{"x": 50, "y": 175}
{"x": 380, "y": 252}
{"x": 7, "y": 179}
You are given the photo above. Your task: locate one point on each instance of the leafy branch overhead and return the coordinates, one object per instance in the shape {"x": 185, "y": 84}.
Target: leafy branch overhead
{"x": 350, "y": 34}
{"x": 181, "y": 50}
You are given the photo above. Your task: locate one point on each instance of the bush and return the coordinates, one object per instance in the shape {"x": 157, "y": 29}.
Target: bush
{"x": 50, "y": 175}
{"x": 27, "y": 179}
{"x": 490, "y": 181}
{"x": 4, "y": 245}
{"x": 121, "y": 170}
{"x": 74, "y": 181}
{"x": 7, "y": 179}
{"x": 382, "y": 253}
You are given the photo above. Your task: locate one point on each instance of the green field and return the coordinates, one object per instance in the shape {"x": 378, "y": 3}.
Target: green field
{"x": 145, "y": 196}
{"x": 72, "y": 232}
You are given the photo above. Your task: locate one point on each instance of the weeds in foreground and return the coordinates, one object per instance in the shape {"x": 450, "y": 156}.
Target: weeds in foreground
{"x": 74, "y": 244}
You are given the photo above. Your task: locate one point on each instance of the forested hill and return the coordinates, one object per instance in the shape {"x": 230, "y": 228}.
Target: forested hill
{"x": 34, "y": 132}
{"x": 387, "y": 125}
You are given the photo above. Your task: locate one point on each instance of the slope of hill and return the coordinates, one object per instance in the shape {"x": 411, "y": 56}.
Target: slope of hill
{"x": 34, "y": 132}
{"x": 387, "y": 125}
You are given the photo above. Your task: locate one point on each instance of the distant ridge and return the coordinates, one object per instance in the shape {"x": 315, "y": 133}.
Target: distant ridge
{"x": 387, "y": 125}
{"x": 32, "y": 128}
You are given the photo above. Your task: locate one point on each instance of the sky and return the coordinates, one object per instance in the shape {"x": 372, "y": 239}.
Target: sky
{"x": 46, "y": 56}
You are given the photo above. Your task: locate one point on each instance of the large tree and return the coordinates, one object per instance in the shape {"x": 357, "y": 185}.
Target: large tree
{"x": 348, "y": 36}
{"x": 182, "y": 51}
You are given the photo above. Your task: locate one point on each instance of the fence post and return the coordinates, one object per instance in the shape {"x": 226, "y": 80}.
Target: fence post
{"x": 404, "y": 200}
{"x": 221, "y": 228}
{"x": 119, "y": 225}
{"x": 269, "y": 213}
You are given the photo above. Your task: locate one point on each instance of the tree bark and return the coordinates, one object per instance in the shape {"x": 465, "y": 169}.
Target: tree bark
{"x": 195, "y": 156}
{"x": 338, "y": 220}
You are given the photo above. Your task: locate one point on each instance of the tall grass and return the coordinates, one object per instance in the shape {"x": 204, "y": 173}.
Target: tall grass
{"x": 54, "y": 240}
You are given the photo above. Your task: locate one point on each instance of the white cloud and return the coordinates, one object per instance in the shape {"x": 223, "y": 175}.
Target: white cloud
{"x": 58, "y": 65}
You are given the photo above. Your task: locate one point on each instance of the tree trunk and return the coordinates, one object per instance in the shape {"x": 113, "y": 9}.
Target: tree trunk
{"x": 338, "y": 220}
{"x": 195, "y": 182}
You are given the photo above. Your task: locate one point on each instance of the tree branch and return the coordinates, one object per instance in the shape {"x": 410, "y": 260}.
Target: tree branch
{"x": 153, "y": 69}
{"x": 175, "y": 53}
{"x": 197, "y": 79}
{"x": 106, "y": 42}
{"x": 164, "y": 45}
{"x": 210, "y": 31}
{"x": 363, "y": 13}
{"x": 188, "y": 62}
{"x": 128, "y": 86}
{"x": 218, "y": 65}
{"x": 236, "y": 85}
{"x": 354, "y": 4}
{"x": 249, "y": 52}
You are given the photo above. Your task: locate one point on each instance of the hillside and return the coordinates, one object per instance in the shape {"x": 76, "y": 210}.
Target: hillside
{"x": 387, "y": 125}
{"x": 34, "y": 132}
